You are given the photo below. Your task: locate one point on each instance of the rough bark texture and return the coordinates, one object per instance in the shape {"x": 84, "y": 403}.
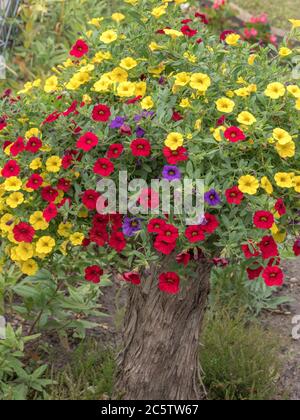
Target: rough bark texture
{"x": 160, "y": 358}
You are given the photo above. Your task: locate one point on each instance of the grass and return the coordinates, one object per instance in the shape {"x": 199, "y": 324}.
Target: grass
{"x": 278, "y": 11}
{"x": 88, "y": 376}
{"x": 239, "y": 359}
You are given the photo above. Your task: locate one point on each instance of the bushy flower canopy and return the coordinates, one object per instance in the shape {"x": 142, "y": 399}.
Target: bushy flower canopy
{"x": 152, "y": 92}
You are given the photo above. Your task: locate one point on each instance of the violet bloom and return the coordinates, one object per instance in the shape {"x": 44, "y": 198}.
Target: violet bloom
{"x": 212, "y": 198}
{"x": 131, "y": 226}
{"x": 140, "y": 132}
{"x": 171, "y": 173}
{"x": 117, "y": 122}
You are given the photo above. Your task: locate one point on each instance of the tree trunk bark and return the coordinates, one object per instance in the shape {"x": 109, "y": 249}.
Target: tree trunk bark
{"x": 160, "y": 357}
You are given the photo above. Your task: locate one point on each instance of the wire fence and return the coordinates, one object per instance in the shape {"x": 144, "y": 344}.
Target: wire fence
{"x": 8, "y": 10}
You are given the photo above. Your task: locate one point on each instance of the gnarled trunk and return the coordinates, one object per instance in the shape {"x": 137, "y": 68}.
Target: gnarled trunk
{"x": 160, "y": 358}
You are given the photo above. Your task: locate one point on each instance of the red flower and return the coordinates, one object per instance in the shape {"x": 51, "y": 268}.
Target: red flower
{"x": 164, "y": 247}
{"x": 72, "y": 108}
{"x": 149, "y": 199}
{"x": 156, "y": 226}
{"x": 263, "y": 219}
{"x": 51, "y": 118}
{"x": 194, "y": 234}
{"x": 268, "y": 247}
{"x": 254, "y": 273}
{"x": 249, "y": 253}
{"x": 34, "y": 182}
{"x": 203, "y": 18}
{"x": 101, "y": 113}
{"x": 186, "y": 30}
{"x": 49, "y": 194}
{"x": 87, "y": 142}
{"x": 79, "y": 49}
{"x": 175, "y": 156}
{"x": 140, "y": 147}
{"x": 234, "y": 134}
{"x": 169, "y": 233}
{"x": 221, "y": 120}
{"x": 183, "y": 258}
{"x": 132, "y": 277}
{"x": 273, "y": 276}
{"x": 186, "y": 21}
{"x": 280, "y": 207}
{"x": 63, "y": 184}
{"x": 98, "y": 235}
{"x": 117, "y": 241}
{"x": 3, "y": 123}
{"x": 169, "y": 282}
{"x": 210, "y": 223}
{"x": 67, "y": 161}
{"x": 100, "y": 220}
{"x": 33, "y": 145}
{"x": 93, "y": 274}
{"x": 23, "y": 232}
{"x": 11, "y": 168}
{"x": 90, "y": 198}
{"x": 17, "y": 147}
{"x": 115, "y": 150}
{"x": 104, "y": 167}
{"x": 234, "y": 195}
{"x": 133, "y": 100}
{"x": 177, "y": 116}
{"x": 296, "y": 248}
{"x": 50, "y": 212}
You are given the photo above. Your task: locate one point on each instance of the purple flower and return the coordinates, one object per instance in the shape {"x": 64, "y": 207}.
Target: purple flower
{"x": 171, "y": 173}
{"x": 131, "y": 226}
{"x": 212, "y": 198}
{"x": 117, "y": 122}
{"x": 140, "y": 132}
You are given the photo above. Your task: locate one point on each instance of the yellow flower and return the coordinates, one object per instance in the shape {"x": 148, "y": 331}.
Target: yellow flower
{"x": 64, "y": 229}
{"x": 173, "y": 33}
{"x": 294, "y": 90}
{"x": 117, "y": 17}
{"x": 45, "y": 245}
{"x": 53, "y": 164}
{"x": 246, "y": 118}
{"x": 198, "y": 124}
{"x": 200, "y": 81}
{"x": 153, "y": 46}
{"x": 182, "y": 79}
{"x": 286, "y": 150}
{"x": 157, "y": 12}
{"x": 298, "y": 105}
{"x": 35, "y": 164}
{"x": 24, "y": 251}
{"x": 7, "y": 222}
{"x": 232, "y": 39}
{"x": 225, "y": 105}
{"x": 248, "y": 184}
{"x": 242, "y": 92}
{"x": 128, "y": 63}
{"x": 15, "y": 199}
{"x": 192, "y": 58}
{"x": 51, "y": 84}
{"x": 284, "y": 180}
{"x": 275, "y": 90}
{"x": 76, "y": 238}
{"x": 252, "y": 59}
{"x": 147, "y": 103}
{"x": 295, "y": 23}
{"x": 266, "y": 185}
{"x": 282, "y": 136}
{"x": 284, "y": 52}
{"x": 174, "y": 141}
{"x": 118, "y": 75}
{"x": 29, "y": 267}
{"x": 140, "y": 88}
{"x": 126, "y": 89}
{"x": 33, "y": 132}
{"x": 37, "y": 221}
{"x": 218, "y": 133}
{"x": 12, "y": 184}
{"x": 297, "y": 184}
{"x": 185, "y": 103}
{"x": 96, "y": 22}
{"x": 108, "y": 37}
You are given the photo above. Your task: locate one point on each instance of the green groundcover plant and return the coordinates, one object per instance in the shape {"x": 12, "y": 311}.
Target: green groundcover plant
{"x": 152, "y": 92}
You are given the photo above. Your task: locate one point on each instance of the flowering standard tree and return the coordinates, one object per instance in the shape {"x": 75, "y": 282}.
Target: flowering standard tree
{"x": 154, "y": 94}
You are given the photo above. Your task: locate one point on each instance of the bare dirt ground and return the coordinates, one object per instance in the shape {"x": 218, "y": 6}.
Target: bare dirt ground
{"x": 281, "y": 321}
